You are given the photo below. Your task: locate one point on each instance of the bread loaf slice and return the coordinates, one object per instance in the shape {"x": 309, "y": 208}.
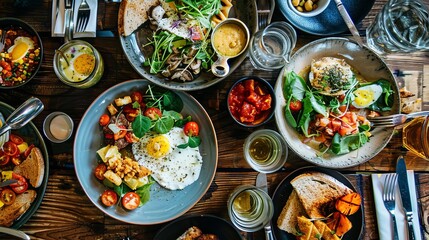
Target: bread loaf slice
{"x": 32, "y": 168}
{"x": 288, "y": 218}
{"x": 316, "y": 189}
{"x": 325, "y": 231}
{"x": 132, "y": 14}
{"x": 9, "y": 213}
{"x": 307, "y": 230}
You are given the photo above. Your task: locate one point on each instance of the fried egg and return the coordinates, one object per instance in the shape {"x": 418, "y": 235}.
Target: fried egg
{"x": 332, "y": 76}
{"x": 366, "y": 95}
{"x": 20, "y": 48}
{"x": 81, "y": 63}
{"x": 172, "y": 167}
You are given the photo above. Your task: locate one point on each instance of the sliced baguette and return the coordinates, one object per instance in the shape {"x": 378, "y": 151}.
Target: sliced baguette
{"x": 308, "y": 230}
{"x": 325, "y": 231}
{"x": 288, "y": 218}
{"x": 8, "y": 214}
{"x": 315, "y": 190}
{"x": 32, "y": 168}
{"x": 132, "y": 14}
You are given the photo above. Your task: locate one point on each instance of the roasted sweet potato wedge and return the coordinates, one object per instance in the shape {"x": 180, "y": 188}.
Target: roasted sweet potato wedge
{"x": 348, "y": 204}
{"x": 339, "y": 223}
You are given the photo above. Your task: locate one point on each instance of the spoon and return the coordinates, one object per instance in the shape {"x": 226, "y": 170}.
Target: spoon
{"x": 62, "y": 55}
{"x": 21, "y": 116}
{"x": 15, "y": 233}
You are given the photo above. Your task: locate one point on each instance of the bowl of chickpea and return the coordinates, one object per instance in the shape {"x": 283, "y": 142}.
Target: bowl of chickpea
{"x": 308, "y": 8}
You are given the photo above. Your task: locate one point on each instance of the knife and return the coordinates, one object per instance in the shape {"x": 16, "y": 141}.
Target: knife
{"x": 261, "y": 182}
{"x": 349, "y": 22}
{"x": 8, "y": 182}
{"x": 401, "y": 170}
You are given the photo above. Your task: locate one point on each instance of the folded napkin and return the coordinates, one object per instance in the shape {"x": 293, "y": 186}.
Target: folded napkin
{"x": 58, "y": 21}
{"x": 383, "y": 217}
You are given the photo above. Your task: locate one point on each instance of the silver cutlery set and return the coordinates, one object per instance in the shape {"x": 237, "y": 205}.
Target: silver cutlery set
{"x": 390, "y": 182}
{"x": 83, "y": 14}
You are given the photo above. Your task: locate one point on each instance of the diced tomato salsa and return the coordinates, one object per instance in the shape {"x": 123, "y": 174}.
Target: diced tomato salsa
{"x": 249, "y": 102}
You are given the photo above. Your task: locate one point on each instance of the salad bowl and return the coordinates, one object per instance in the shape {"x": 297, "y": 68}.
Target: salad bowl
{"x": 163, "y": 205}
{"x": 362, "y": 60}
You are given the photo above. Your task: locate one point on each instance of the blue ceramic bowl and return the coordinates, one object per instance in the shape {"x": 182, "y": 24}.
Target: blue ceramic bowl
{"x": 164, "y": 205}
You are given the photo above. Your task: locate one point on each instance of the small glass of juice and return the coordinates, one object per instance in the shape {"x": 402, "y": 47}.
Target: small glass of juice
{"x": 415, "y": 137}
{"x": 58, "y": 127}
{"x": 265, "y": 150}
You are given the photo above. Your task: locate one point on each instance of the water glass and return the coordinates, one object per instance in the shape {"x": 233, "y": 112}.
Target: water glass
{"x": 402, "y": 26}
{"x": 270, "y": 48}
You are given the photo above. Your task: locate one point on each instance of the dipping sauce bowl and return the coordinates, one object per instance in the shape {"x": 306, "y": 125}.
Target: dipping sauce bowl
{"x": 58, "y": 127}
{"x": 229, "y": 39}
{"x": 78, "y": 64}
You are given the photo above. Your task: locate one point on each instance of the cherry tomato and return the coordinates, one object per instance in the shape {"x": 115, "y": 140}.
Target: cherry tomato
{"x": 137, "y": 97}
{"x": 153, "y": 113}
{"x": 4, "y": 159}
{"x": 130, "y": 200}
{"x": 109, "y": 198}
{"x": 130, "y": 137}
{"x": 108, "y": 136}
{"x": 7, "y": 196}
{"x": 99, "y": 171}
{"x": 15, "y": 139}
{"x": 104, "y": 120}
{"x": 295, "y": 105}
{"x": 10, "y": 148}
{"x": 191, "y": 129}
{"x": 120, "y": 134}
{"x": 20, "y": 186}
{"x": 28, "y": 150}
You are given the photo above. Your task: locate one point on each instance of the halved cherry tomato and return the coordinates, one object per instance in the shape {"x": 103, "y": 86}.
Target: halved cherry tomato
{"x": 120, "y": 134}
{"x": 104, "y": 120}
{"x": 109, "y": 198}
{"x": 137, "y": 97}
{"x": 28, "y": 150}
{"x": 295, "y": 105}
{"x": 191, "y": 129}
{"x": 20, "y": 186}
{"x": 4, "y": 158}
{"x": 7, "y": 196}
{"x": 153, "y": 113}
{"x": 130, "y": 200}
{"x": 10, "y": 148}
{"x": 16, "y": 139}
{"x": 131, "y": 138}
{"x": 99, "y": 171}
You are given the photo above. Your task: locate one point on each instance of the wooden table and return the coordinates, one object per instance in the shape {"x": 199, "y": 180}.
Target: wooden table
{"x": 66, "y": 212}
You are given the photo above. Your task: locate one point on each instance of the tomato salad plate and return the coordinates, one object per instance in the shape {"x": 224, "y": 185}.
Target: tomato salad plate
{"x": 23, "y": 157}
{"x": 172, "y": 46}
{"x": 342, "y": 210}
{"x": 145, "y": 154}
{"x": 325, "y": 98}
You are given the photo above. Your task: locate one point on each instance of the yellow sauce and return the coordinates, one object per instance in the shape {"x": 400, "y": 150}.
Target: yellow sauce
{"x": 229, "y": 39}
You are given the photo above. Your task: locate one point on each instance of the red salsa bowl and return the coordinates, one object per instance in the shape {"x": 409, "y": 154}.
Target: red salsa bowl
{"x": 251, "y": 101}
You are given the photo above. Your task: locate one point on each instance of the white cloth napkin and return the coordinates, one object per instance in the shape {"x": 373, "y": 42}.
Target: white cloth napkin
{"x": 58, "y": 22}
{"x": 385, "y": 230}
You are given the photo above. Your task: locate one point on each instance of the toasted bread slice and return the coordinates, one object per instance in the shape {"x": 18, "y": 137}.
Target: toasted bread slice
{"x": 132, "y": 14}
{"x": 8, "y": 214}
{"x": 307, "y": 229}
{"x": 288, "y": 218}
{"x": 325, "y": 231}
{"x": 32, "y": 168}
{"x": 190, "y": 234}
{"x": 315, "y": 190}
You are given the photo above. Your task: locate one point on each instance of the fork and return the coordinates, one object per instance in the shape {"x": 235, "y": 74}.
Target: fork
{"x": 265, "y": 12}
{"x": 3, "y": 39}
{"x": 389, "y": 198}
{"x": 395, "y": 119}
{"x": 82, "y": 16}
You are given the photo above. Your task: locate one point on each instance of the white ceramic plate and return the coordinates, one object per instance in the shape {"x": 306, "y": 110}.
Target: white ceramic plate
{"x": 371, "y": 68}
{"x": 164, "y": 205}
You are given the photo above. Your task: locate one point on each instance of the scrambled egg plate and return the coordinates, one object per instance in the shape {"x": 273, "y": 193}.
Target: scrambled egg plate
{"x": 20, "y": 48}
{"x": 332, "y": 76}
{"x": 172, "y": 167}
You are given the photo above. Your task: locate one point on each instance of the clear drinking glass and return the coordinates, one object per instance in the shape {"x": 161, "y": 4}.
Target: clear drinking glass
{"x": 401, "y": 26}
{"x": 415, "y": 136}
{"x": 270, "y": 48}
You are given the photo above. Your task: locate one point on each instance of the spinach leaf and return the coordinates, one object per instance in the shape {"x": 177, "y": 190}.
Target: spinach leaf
{"x": 172, "y": 101}
{"x": 144, "y": 192}
{"x": 288, "y": 114}
{"x": 295, "y": 86}
{"x": 141, "y": 125}
{"x": 164, "y": 124}
{"x": 307, "y": 109}
{"x": 385, "y": 101}
{"x": 194, "y": 141}
{"x": 175, "y": 115}
{"x": 317, "y": 106}
{"x": 121, "y": 189}
{"x": 342, "y": 145}
{"x": 181, "y": 122}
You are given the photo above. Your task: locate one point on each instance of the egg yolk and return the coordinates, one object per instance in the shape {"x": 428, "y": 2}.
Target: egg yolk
{"x": 363, "y": 97}
{"x": 158, "y": 146}
{"x": 19, "y": 51}
{"x": 84, "y": 64}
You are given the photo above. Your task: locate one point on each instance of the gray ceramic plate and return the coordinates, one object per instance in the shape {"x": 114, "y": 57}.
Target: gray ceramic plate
{"x": 369, "y": 65}
{"x": 132, "y": 46}
{"x": 164, "y": 205}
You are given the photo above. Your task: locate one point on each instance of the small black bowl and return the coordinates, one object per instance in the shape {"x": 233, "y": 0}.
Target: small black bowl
{"x": 209, "y": 224}
{"x": 15, "y": 23}
{"x": 261, "y": 118}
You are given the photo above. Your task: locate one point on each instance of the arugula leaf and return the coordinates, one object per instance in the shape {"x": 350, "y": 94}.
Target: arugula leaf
{"x": 164, "y": 124}
{"x": 141, "y": 125}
